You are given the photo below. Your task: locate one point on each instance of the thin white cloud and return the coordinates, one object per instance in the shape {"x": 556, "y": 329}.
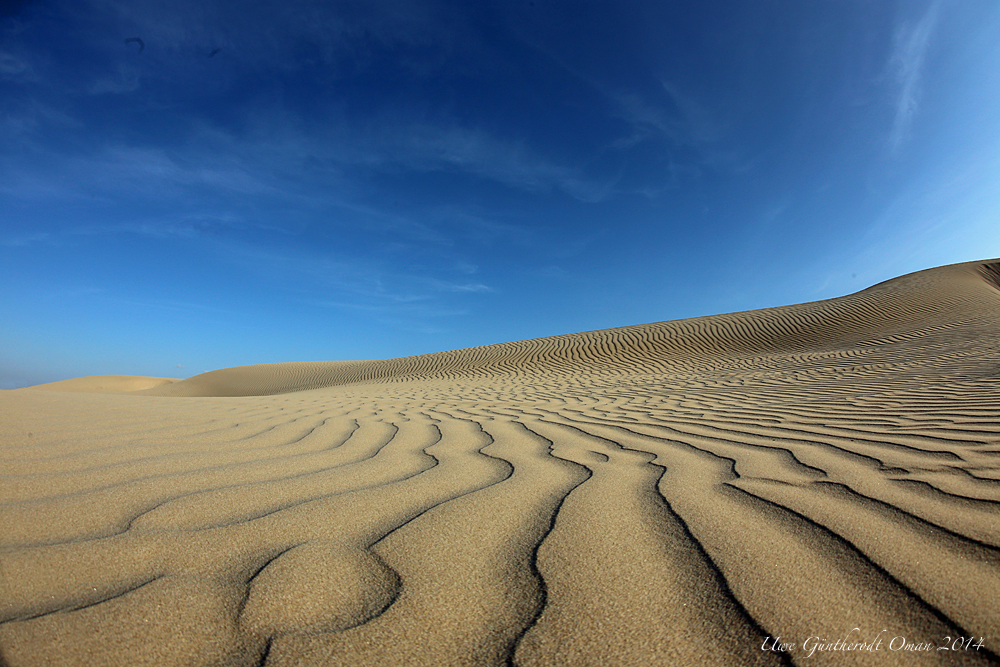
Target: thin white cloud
{"x": 421, "y": 310}
{"x": 269, "y": 156}
{"x": 14, "y": 68}
{"x": 394, "y": 144}
{"x": 688, "y": 123}
{"x": 24, "y": 240}
{"x": 906, "y": 64}
{"x": 149, "y": 172}
{"x": 184, "y": 226}
{"x": 464, "y": 287}
{"x": 700, "y": 125}
{"x": 674, "y": 115}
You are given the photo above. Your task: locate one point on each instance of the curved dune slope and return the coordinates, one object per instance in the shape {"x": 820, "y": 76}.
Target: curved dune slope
{"x": 679, "y": 493}
{"x": 105, "y": 384}
{"x": 899, "y": 307}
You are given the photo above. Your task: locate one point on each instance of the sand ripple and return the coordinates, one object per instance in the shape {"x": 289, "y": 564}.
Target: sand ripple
{"x": 672, "y": 493}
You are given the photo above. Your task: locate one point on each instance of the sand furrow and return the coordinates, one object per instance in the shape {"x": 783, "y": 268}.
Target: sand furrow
{"x": 794, "y": 577}
{"x": 942, "y": 568}
{"x": 626, "y": 584}
{"x": 671, "y": 493}
{"x": 81, "y": 480}
{"x": 467, "y": 583}
{"x": 876, "y": 478}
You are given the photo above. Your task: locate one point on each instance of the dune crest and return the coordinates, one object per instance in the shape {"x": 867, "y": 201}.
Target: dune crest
{"x": 677, "y": 493}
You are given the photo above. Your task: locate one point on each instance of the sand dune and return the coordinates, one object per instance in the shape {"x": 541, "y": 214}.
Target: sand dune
{"x": 105, "y": 384}
{"x": 679, "y": 493}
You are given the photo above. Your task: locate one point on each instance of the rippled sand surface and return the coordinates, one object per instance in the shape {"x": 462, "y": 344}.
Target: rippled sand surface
{"x": 678, "y": 493}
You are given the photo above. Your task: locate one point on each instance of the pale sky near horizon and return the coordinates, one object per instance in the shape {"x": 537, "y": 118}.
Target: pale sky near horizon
{"x": 187, "y": 186}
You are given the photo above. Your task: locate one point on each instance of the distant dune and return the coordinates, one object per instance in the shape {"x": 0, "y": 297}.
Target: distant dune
{"x": 678, "y": 493}
{"x": 110, "y": 384}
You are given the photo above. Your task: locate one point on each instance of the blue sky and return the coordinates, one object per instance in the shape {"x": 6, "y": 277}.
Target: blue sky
{"x": 266, "y": 181}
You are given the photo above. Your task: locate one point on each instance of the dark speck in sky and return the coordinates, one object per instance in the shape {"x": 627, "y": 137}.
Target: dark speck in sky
{"x": 142, "y": 45}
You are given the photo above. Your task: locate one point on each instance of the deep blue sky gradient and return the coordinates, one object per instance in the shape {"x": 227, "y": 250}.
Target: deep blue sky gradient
{"x": 358, "y": 179}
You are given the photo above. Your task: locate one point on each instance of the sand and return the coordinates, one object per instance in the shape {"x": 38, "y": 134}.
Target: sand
{"x": 813, "y": 484}
{"x": 106, "y": 384}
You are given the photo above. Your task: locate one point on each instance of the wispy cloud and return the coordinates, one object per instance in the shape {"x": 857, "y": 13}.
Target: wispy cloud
{"x": 197, "y": 226}
{"x": 906, "y": 64}
{"x": 663, "y": 113}
{"x": 24, "y": 240}
{"x": 148, "y": 172}
{"x": 394, "y": 145}
{"x": 264, "y": 148}
{"x": 460, "y": 287}
{"x": 355, "y": 282}
{"x": 680, "y": 118}
{"x": 15, "y": 68}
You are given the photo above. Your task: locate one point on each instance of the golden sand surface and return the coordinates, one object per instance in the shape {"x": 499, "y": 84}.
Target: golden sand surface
{"x": 105, "y": 384}
{"x": 680, "y": 493}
